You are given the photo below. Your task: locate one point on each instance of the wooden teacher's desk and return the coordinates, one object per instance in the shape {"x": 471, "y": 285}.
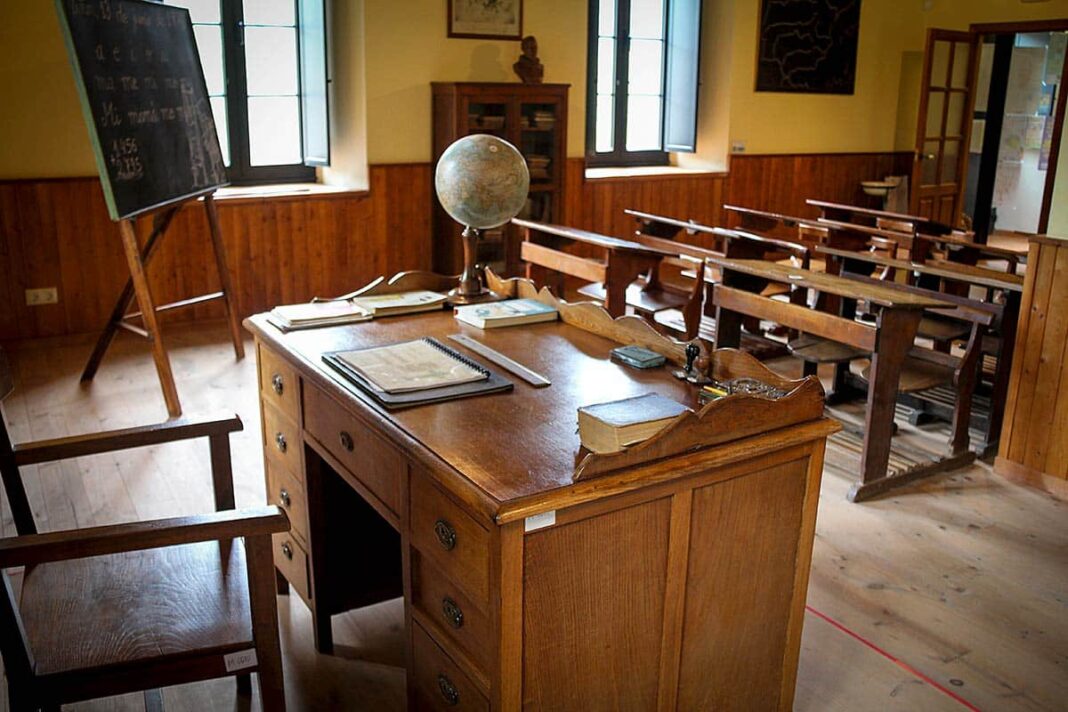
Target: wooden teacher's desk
{"x": 672, "y": 576}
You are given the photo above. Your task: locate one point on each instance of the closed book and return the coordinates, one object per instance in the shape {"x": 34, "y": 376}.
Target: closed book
{"x": 309, "y": 316}
{"x": 401, "y": 303}
{"x": 613, "y": 426}
{"x": 511, "y": 312}
{"x": 638, "y": 357}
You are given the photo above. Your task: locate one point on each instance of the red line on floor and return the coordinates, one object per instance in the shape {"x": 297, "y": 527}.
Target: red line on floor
{"x": 900, "y": 663}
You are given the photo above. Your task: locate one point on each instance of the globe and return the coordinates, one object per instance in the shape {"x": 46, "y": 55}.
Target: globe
{"x": 482, "y": 181}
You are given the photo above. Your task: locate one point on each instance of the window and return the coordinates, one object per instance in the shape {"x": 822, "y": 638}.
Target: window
{"x": 259, "y": 56}
{"x": 642, "y": 99}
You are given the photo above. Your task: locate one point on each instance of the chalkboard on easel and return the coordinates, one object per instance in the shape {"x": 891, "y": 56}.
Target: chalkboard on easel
{"x": 145, "y": 102}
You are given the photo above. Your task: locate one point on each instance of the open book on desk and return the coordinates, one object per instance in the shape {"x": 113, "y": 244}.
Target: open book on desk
{"x": 415, "y": 372}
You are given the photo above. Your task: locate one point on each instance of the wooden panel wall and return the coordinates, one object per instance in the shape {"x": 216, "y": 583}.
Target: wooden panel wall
{"x": 782, "y": 183}
{"x": 282, "y": 250}
{"x": 1033, "y": 438}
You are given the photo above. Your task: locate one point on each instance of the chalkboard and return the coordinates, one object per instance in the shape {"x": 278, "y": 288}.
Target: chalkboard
{"x": 145, "y": 102}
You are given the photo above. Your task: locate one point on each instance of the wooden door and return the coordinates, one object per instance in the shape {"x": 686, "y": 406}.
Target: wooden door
{"x": 944, "y": 125}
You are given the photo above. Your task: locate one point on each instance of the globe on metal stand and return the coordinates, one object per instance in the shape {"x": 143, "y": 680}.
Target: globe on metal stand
{"x": 482, "y": 182}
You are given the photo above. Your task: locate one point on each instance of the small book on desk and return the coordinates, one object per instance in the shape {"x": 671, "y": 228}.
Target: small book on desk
{"x": 379, "y": 305}
{"x": 293, "y": 317}
{"x": 511, "y": 312}
{"x": 611, "y": 427}
{"x": 414, "y": 373}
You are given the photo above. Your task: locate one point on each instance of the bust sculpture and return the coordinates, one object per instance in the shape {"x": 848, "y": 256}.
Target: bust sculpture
{"x": 529, "y": 67}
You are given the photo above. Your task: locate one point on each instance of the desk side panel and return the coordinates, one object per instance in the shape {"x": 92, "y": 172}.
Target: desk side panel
{"x": 593, "y": 610}
{"x": 744, "y": 543}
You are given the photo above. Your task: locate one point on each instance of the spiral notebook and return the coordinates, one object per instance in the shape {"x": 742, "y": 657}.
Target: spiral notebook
{"x": 415, "y": 372}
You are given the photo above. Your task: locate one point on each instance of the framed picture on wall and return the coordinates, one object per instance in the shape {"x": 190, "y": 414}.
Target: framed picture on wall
{"x": 808, "y": 46}
{"x": 486, "y": 19}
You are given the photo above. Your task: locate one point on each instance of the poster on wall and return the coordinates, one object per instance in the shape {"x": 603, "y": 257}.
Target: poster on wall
{"x": 486, "y": 19}
{"x": 808, "y": 46}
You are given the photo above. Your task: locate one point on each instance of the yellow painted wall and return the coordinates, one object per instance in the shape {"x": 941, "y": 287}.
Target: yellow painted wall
{"x": 1058, "y": 212}
{"x": 811, "y": 123}
{"x": 407, "y": 48}
{"x": 41, "y": 129}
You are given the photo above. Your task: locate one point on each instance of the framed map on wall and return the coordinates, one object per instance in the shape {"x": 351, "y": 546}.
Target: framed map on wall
{"x": 808, "y": 46}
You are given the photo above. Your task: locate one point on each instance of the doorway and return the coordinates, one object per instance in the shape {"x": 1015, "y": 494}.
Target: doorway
{"x": 1015, "y": 131}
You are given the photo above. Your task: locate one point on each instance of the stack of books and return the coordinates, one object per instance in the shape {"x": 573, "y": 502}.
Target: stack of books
{"x": 293, "y": 317}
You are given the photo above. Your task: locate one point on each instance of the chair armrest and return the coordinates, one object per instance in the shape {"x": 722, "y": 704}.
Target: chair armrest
{"x": 136, "y": 536}
{"x": 183, "y": 428}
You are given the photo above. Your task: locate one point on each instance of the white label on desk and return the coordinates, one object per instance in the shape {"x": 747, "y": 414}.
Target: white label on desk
{"x": 540, "y": 521}
{"x": 240, "y": 660}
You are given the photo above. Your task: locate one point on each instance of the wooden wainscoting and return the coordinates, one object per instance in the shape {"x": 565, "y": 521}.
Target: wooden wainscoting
{"x": 782, "y": 183}
{"x": 280, "y": 249}
{"x": 288, "y": 249}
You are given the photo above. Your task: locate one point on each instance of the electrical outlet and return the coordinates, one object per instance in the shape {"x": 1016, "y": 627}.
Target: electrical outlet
{"x": 44, "y": 295}
{"x": 737, "y": 146}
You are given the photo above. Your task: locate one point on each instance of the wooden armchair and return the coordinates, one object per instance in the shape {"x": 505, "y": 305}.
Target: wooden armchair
{"x": 115, "y": 609}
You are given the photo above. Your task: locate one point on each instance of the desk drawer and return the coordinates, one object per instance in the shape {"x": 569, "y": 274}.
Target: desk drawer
{"x": 439, "y": 683}
{"x": 457, "y": 544}
{"x": 378, "y": 466}
{"x": 284, "y": 490}
{"x": 281, "y": 439}
{"x": 278, "y": 384}
{"x": 291, "y": 559}
{"x": 461, "y": 621}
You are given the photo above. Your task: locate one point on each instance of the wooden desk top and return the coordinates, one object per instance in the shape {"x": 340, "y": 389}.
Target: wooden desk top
{"x": 510, "y": 446}
{"x": 969, "y": 274}
{"x": 830, "y": 284}
{"x": 684, "y": 224}
{"x": 590, "y": 238}
{"x": 916, "y": 220}
{"x": 787, "y": 220}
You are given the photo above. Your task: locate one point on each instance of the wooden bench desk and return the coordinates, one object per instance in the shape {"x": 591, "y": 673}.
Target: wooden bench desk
{"x": 889, "y": 340}
{"x": 1009, "y": 285}
{"x": 534, "y": 575}
{"x": 623, "y": 261}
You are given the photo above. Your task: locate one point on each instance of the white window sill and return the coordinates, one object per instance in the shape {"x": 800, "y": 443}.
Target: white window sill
{"x": 283, "y": 191}
{"x": 647, "y": 172}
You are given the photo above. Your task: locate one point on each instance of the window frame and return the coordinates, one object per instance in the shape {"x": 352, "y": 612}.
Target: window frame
{"x": 619, "y": 156}
{"x": 240, "y": 170}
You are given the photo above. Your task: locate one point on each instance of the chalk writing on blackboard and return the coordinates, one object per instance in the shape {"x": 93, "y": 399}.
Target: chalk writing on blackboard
{"x": 145, "y": 102}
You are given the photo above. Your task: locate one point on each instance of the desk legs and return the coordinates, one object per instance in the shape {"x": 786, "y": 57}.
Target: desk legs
{"x": 897, "y": 330}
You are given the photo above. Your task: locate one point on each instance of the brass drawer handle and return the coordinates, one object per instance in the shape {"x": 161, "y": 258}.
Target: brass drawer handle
{"x": 287, "y": 550}
{"x": 448, "y": 691}
{"x": 446, "y": 534}
{"x": 346, "y": 440}
{"x": 283, "y": 497}
{"x": 277, "y": 383}
{"x": 280, "y": 441}
{"x": 452, "y": 613}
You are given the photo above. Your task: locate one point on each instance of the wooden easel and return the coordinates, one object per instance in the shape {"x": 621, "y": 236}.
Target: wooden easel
{"x": 137, "y": 260}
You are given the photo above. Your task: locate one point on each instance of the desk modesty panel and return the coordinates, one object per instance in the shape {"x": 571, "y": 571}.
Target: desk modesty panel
{"x": 673, "y": 582}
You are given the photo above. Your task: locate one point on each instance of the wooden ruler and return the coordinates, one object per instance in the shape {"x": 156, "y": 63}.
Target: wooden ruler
{"x": 532, "y": 377}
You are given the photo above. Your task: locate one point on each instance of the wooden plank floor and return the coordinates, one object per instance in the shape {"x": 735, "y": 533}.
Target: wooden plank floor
{"x": 962, "y": 580}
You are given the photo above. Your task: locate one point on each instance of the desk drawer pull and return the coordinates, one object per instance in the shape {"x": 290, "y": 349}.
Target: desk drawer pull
{"x": 287, "y": 550}
{"x": 446, "y": 534}
{"x": 346, "y": 440}
{"x": 283, "y": 497}
{"x": 448, "y": 691}
{"x": 277, "y": 383}
{"x": 452, "y": 612}
{"x": 280, "y": 441}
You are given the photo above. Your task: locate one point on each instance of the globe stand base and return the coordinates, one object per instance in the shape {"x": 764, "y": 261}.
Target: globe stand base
{"x": 456, "y": 296}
